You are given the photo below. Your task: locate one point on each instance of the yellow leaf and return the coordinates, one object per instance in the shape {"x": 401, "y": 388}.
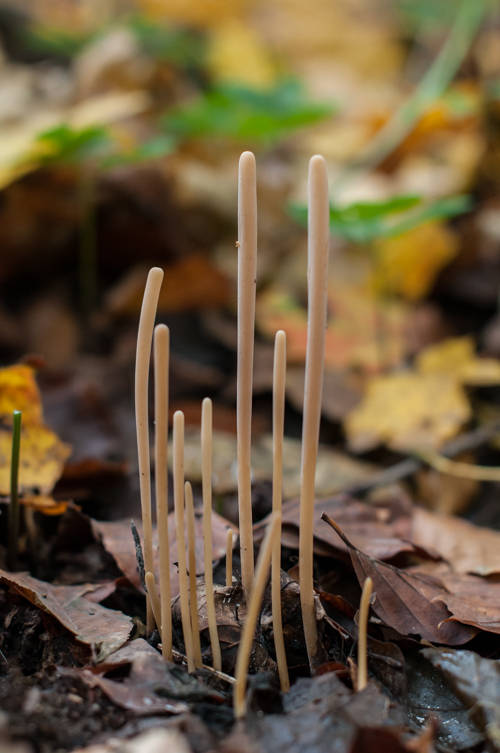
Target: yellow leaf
{"x": 45, "y": 505}
{"x": 456, "y": 356}
{"x": 408, "y": 264}
{"x": 19, "y": 391}
{"x": 207, "y": 13}
{"x": 42, "y": 457}
{"x": 408, "y": 411}
{"x": 236, "y": 54}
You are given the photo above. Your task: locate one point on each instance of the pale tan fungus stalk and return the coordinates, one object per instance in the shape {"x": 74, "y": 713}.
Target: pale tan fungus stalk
{"x": 229, "y": 558}
{"x": 178, "y": 473}
{"x": 161, "y": 361}
{"x": 193, "y": 600}
{"x": 143, "y": 357}
{"x": 364, "y": 609}
{"x": 206, "y": 482}
{"x": 152, "y": 592}
{"x": 253, "y": 609}
{"x": 247, "y": 272}
{"x": 279, "y": 379}
{"x": 317, "y": 274}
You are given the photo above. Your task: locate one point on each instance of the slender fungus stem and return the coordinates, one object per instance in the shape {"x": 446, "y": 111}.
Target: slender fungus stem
{"x": 254, "y": 605}
{"x": 229, "y": 558}
{"x": 179, "y": 530}
{"x": 247, "y": 271}
{"x": 193, "y": 601}
{"x": 364, "y": 609}
{"x": 317, "y": 271}
{"x": 143, "y": 356}
{"x": 14, "y": 491}
{"x": 206, "y": 481}
{"x": 161, "y": 359}
{"x": 153, "y": 595}
{"x": 279, "y": 378}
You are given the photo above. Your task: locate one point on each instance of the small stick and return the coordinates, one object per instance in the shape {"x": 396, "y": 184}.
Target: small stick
{"x": 221, "y": 675}
{"x": 279, "y": 378}
{"x": 142, "y": 359}
{"x": 178, "y": 472}
{"x": 153, "y": 595}
{"x": 364, "y": 609}
{"x": 317, "y": 273}
{"x": 161, "y": 361}
{"x": 229, "y": 558}
{"x": 247, "y": 272}
{"x": 254, "y": 605}
{"x": 206, "y": 482}
{"x": 193, "y": 601}
{"x": 13, "y": 543}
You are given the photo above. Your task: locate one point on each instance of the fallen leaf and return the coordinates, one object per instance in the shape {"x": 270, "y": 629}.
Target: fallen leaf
{"x": 407, "y": 602}
{"x": 381, "y": 530}
{"x": 117, "y": 539}
{"x": 19, "y": 391}
{"x": 151, "y": 741}
{"x": 236, "y": 53}
{"x": 42, "y": 458}
{"x": 406, "y": 411}
{"x": 408, "y": 264}
{"x": 477, "y": 681}
{"x": 102, "y": 630}
{"x": 456, "y": 356}
{"x": 467, "y": 547}
{"x": 151, "y": 685}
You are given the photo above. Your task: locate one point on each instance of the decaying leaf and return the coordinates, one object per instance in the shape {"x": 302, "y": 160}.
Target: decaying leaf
{"x": 468, "y": 548}
{"x": 19, "y": 391}
{"x": 102, "y": 630}
{"x": 408, "y": 410}
{"x": 457, "y": 357}
{"x": 117, "y": 540}
{"x": 407, "y": 602}
{"x": 151, "y": 741}
{"x": 151, "y": 685}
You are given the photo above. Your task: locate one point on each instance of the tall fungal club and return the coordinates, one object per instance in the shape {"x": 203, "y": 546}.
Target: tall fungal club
{"x": 364, "y": 609}
{"x": 193, "y": 604}
{"x": 317, "y": 271}
{"x": 143, "y": 357}
{"x": 206, "y": 482}
{"x": 247, "y": 271}
{"x": 279, "y": 378}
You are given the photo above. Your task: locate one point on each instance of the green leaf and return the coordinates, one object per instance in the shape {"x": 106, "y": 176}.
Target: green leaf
{"x": 67, "y": 144}
{"x": 154, "y": 148}
{"x": 241, "y": 113}
{"x": 182, "y": 47}
{"x": 364, "y": 222}
{"x": 54, "y": 42}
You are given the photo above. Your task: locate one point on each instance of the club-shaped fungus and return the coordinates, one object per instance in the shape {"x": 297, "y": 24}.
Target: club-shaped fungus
{"x": 193, "y": 602}
{"x": 317, "y": 272}
{"x": 178, "y": 473}
{"x": 206, "y": 482}
{"x": 161, "y": 361}
{"x": 253, "y": 609}
{"x": 152, "y": 592}
{"x": 143, "y": 357}
{"x": 279, "y": 379}
{"x": 229, "y": 558}
{"x": 247, "y": 271}
{"x": 364, "y": 609}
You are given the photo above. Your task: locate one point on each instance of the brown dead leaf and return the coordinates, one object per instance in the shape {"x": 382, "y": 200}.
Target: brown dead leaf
{"x": 102, "y": 630}
{"x": 409, "y": 603}
{"x": 150, "y": 687}
{"x": 381, "y": 529}
{"x": 117, "y": 539}
{"x": 468, "y": 548}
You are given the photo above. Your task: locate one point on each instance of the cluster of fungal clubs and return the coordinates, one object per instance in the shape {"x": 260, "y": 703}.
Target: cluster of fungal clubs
{"x": 158, "y": 598}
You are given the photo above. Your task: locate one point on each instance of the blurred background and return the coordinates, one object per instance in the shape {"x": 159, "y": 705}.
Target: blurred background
{"x": 121, "y": 124}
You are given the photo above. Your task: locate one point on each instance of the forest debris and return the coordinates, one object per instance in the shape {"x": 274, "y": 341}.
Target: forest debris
{"x": 103, "y": 630}
{"x": 155, "y": 740}
{"x": 477, "y": 681}
{"x": 407, "y": 602}
{"x": 467, "y": 547}
{"x": 117, "y": 540}
{"x": 151, "y": 684}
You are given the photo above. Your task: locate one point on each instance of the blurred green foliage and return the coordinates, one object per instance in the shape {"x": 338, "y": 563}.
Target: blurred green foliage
{"x": 63, "y": 143}
{"x": 363, "y": 222}
{"x": 181, "y": 46}
{"x": 239, "y": 112}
